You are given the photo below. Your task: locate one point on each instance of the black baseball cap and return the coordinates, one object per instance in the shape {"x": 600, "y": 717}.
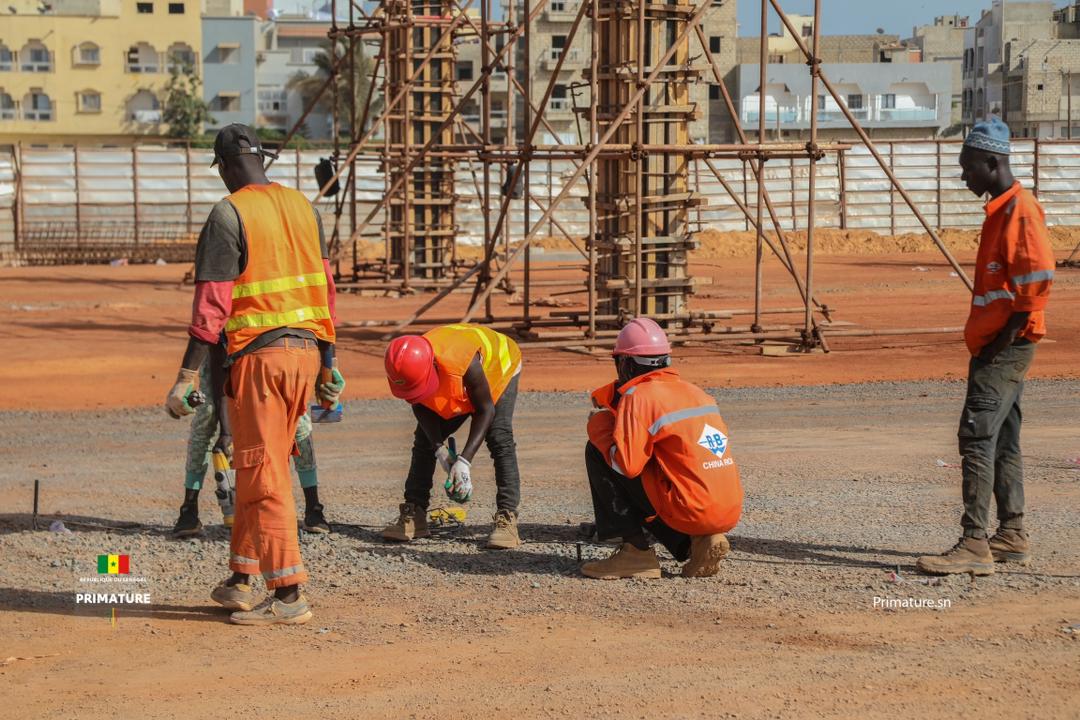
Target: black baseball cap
{"x": 238, "y": 139}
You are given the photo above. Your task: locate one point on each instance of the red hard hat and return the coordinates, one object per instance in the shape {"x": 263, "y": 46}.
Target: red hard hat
{"x": 410, "y": 368}
{"x": 642, "y": 336}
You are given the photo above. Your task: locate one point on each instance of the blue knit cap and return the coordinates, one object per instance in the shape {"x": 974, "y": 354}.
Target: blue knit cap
{"x": 991, "y": 135}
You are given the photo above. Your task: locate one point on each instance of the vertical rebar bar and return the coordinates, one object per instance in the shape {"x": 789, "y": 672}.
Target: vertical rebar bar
{"x": 811, "y": 206}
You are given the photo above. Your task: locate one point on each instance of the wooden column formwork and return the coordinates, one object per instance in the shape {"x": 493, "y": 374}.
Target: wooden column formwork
{"x": 420, "y": 212}
{"x": 643, "y": 198}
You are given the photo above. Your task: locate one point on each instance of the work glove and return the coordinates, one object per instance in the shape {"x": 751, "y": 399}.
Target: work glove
{"x": 442, "y": 454}
{"x": 176, "y": 402}
{"x": 459, "y": 485}
{"x": 330, "y": 386}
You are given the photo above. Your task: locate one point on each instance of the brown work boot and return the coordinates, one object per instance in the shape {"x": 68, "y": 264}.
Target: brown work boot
{"x": 969, "y": 555}
{"x": 411, "y": 523}
{"x": 626, "y": 562}
{"x": 1010, "y": 546}
{"x": 504, "y": 536}
{"x": 706, "y": 552}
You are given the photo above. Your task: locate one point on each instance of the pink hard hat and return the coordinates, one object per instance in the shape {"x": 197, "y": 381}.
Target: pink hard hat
{"x": 642, "y": 336}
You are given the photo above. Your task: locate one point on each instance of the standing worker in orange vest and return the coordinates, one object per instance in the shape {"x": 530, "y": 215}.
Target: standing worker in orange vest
{"x": 1013, "y": 273}
{"x": 658, "y": 459}
{"x": 262, "y": 275}
{"x": 448, "y": 375}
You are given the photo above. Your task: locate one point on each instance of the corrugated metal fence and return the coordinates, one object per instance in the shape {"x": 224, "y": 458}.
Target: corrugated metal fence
{"x": 93, "y": 204}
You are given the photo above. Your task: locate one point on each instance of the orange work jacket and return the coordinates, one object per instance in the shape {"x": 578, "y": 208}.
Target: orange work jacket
{"x": 1013, "y": 271}
{"x": 671, "y": 434}
{"x": 284, "y": 283}
{"x": 455, "y": 346}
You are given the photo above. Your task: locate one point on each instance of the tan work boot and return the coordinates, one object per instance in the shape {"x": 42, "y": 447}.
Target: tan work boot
{"x": 504, "y": 536}
{"x": 1010, "y": 546}
{"x": 234, "y": 597}
{"x": 969, "y": 555}
{"x": 272, "y": 611}
{"x": 626, "y": 562}
{"x": 706, "y": 552}
{"x": 411, "y": 523}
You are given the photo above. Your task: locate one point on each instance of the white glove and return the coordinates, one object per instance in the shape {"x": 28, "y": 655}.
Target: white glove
{"x": 459, "y": 485}
{"x": 442, "y": 454}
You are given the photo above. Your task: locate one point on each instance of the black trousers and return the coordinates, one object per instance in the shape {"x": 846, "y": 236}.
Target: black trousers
{"x": 500, "y": 443}
{"x": 622, "y": 508}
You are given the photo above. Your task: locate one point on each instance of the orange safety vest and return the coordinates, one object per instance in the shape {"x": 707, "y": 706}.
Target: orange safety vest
{"x": 671, "y": 434}
{"x": 284, "y": 283}
{"x": 455, "y": 346}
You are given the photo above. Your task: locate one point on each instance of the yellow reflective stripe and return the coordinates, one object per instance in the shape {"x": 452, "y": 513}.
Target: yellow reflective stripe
{"x": 281, "y": 284}
{"x": 280, "y": 319}
{"x": 504, "y": 353}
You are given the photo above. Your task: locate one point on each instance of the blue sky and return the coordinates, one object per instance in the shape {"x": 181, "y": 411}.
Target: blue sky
{"x": 854, "y": 17}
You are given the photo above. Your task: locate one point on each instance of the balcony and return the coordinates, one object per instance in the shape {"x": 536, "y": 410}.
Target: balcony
{"x": 149, "y": 117}
{"x": 559, "y": 107}
{"x": 551, "y": 58}
{"x": 38, "y": 114}
{"x": 908, "y": 115}
{"x": 781, "y": 115}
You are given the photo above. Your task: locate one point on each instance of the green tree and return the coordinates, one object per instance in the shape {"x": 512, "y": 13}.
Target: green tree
{"x": 309, "y": 84}
{"x": 184, "y": 109}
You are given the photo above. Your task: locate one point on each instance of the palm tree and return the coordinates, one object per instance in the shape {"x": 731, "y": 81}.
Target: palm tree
{"x": 309, "y": 84}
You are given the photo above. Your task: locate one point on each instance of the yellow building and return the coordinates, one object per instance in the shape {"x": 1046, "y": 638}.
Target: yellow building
{"x": 91, "y": 70}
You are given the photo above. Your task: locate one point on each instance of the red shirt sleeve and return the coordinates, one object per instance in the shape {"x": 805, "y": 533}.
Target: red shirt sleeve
{"x": 211, "y": 308}
{"x": 331, "y": 291}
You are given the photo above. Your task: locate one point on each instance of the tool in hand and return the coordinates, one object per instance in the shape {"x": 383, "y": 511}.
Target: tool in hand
{"x": 322, "y": 411}
{"x": 224, "y": 474}
{"x": 458, "y": 483}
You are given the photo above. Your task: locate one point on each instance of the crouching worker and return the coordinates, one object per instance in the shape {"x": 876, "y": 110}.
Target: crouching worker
{"x": 448, "y": 375}
{"x": 659, "y": 461}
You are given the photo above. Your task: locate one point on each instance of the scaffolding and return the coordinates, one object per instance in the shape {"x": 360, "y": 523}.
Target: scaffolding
{"x": 635, "y": 156}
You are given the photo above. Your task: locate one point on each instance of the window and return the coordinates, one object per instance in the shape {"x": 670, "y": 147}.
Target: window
{"x": 714, "y": 92}
{"x": 272, "y": 101}
{"x": 558, "y": 42}
{"x": 1039, "y": 86}
{"x": 37, "y": 106}
{"x": 558, "y": 6}
{"x": 807, "y": 30}
{"x": 7, "y": 106}
{"x": 854, "y": 102}
{"x": 776, "y": 60}
{"x": 144, "y": 8}
{"x": 464, "y": 70}
{"x": 89, "y": 101}
{"x": 179, "y": 56}
{"x": 559, "y": 98}
{"x": 144, "y": 107}
{"x": 228, "y": 53}
{"x": 176, "y": 8}
{"x": 226, "y": 102}
{"x": 142, "y": 58}
{"x": 35, "y": 57}
{"x": 88, "y": 54}
{"x": 820, "y": 102}
{"x": 7, "y": 58}
{"x": 888, "y": 101}
{"x": 714, "y": 44}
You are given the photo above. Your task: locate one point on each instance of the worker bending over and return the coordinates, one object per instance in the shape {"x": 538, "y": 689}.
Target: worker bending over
{"x": 206, "y": 435}
{"x": 659, "y": 460}
{"x": 448, "y": 375}
{"x": 1014, "y": 269}
{"x": 262, "y": 275}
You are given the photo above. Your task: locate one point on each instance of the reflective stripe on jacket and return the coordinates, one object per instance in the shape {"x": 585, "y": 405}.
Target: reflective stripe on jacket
{"x": 1013, "y": 271}
{"x": 671, "y": 434}
{"x": 284, "y": 283}
{"x": 455, "y": 346}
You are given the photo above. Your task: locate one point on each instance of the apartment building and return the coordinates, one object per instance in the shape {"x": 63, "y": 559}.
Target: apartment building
{"x": 550, "y": 35}
{"x": 230, "y": 50}
{"x": 77, "y": 69}
{"x": 287, "y": 47}
{"x": 782, "y": 47}
{"x": 943, "y": 42}
{"x": 1042, "y": 89}
{"x": 889, "y": 100}
{"x": 1003, "y": 29}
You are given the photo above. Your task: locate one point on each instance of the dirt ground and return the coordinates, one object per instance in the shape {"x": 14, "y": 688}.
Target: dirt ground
{"x": 848, "y": 461}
